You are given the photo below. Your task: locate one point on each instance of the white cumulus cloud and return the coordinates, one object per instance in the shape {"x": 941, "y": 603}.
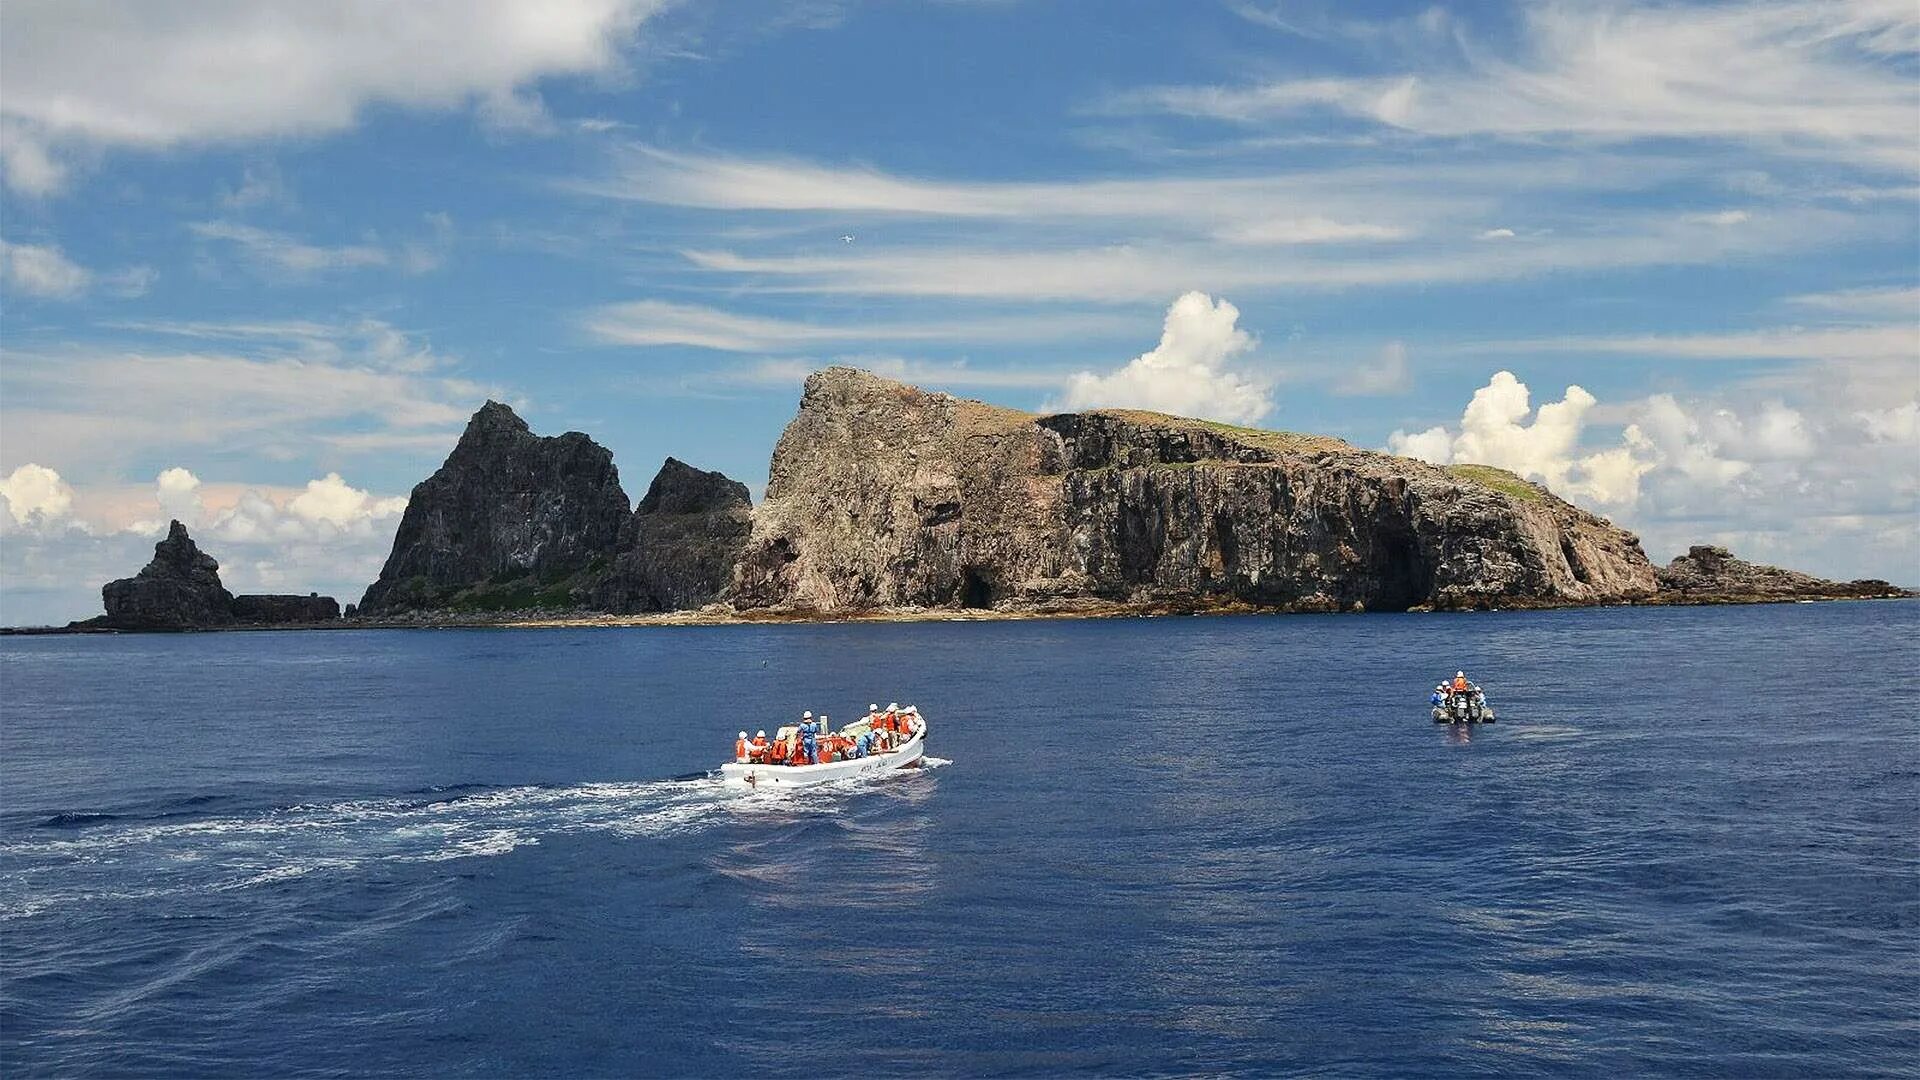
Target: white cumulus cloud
{"x": 1775, "y": 480}
{"x": 35, "y": 490}
{"x": 178, "y": 493}
{"x": 1189, "y": 373}
{"x": 333, "y": 500}
{"x": 1899, "y": 424}
{"x": 1501, "y": 428}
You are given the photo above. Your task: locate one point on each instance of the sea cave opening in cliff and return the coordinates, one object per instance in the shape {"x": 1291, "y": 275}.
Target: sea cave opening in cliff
{"x": 976, "y": 588}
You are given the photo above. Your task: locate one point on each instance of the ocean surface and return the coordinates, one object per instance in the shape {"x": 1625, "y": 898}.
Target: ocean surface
{"x": 1232, "y": 846}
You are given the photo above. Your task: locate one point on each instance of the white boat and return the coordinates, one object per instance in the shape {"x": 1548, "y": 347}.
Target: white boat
{"x": 907, "y": 755}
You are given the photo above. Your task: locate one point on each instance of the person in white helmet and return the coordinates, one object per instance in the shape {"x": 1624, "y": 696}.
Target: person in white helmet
{"x": 809, "y": 739}
{"x": 1460, "y": 683}
{"x": 740, "y": 748}
{"x": 757, "y": 749}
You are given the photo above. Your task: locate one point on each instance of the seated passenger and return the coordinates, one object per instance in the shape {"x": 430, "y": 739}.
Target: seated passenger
{"x": 740, "y": 748}
{"x": 757, "y": 750}
{"x": 1460, "y": 682}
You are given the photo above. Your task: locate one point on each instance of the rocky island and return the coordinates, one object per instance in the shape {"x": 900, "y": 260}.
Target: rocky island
{"x": 181, "y": 590}
{"x": 888, "y": 501}
{"x": 883, "y": 496}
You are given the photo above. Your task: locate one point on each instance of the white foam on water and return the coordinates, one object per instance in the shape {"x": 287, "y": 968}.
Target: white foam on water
{"x": 249, "y": 850}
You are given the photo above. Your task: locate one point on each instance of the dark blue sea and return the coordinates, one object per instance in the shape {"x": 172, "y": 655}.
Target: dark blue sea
{"x": 1223, "y": 846}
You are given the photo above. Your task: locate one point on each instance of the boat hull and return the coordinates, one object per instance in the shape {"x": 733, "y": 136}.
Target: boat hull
{"x": 906, "y": 756}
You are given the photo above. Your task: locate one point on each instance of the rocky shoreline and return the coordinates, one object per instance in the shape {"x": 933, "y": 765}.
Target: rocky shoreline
{"x": 723, "y": 615}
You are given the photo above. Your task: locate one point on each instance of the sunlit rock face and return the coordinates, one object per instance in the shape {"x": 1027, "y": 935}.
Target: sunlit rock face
{"x": 882, "y": 495}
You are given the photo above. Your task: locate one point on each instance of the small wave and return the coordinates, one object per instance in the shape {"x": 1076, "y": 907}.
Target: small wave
{"x": 446, "y": 789}
{"x": 76, "y": 819}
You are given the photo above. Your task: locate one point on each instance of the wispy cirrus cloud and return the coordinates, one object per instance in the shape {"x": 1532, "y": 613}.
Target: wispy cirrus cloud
{"x": 1301, "y": 206}
{"x": 1887, "y": 342}
{"x": 1886, "y": 301}
{"x": 1793, "y": 77}
{"x": 1134, "y": 272}
{"x": 662, "y": 322}
{"x": 42, "y": 270}
{"x": 280, "y": 253}
{"x": 275, "y": 390}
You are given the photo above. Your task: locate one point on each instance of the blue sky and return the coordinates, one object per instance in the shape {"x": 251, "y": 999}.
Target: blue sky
{"x": 261, "y": 260}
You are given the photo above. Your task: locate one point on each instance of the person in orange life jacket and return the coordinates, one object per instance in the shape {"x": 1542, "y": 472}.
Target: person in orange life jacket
{"x": 757, "y": 749}
{"x": 873, "y": 715}
{"x": 740, "y": 748}
{"x": 1460, "y": 682}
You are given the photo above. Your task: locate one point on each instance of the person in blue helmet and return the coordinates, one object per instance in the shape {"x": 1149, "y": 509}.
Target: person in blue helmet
{"x": 809, "y": 738}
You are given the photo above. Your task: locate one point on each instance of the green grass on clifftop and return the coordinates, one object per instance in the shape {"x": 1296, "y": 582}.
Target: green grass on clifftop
{"x": 1500, "y": 480}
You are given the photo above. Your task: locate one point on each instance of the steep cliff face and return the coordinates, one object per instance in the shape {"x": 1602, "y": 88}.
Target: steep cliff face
{"x": 679, "y": 548}
{"x": 510, "y": 514}
{"x": 1707, "y": 574}
{"x": 180, "y": 589}
{"x": 883, "y": 495}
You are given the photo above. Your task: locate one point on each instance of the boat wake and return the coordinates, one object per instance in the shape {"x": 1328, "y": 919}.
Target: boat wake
{"x": 75, "y": 857}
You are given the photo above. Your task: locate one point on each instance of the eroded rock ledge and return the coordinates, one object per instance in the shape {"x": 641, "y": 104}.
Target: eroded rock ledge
{"x": 1712, "y": 575}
